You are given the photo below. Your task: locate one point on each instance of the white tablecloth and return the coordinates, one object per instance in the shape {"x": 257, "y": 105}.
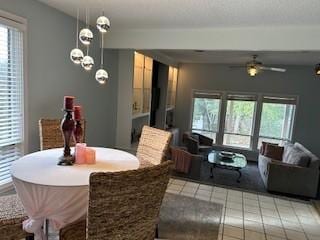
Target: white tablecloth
{"x": 60, "y": 193}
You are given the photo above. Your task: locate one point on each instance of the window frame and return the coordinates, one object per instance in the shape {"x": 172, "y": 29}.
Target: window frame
{"x": 193, "y": 92}
{"x": 20, "y": 23}
{"x": 295, "y": 100}
{"x": 257, "y": 115}
{"x": 255, "y": 100}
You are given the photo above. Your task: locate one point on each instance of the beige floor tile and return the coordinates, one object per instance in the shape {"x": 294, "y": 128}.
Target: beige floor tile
{"x": 229, "y": 238}
{"x": 253, "y": 226}
{"x": 219, "y": 195}
{"x": 233, "y": 232}
{"x": 271, "y": 221}
{"x": 234, "y": 199}
{"x": 233, "y": 221}
{"x": 202, "y": 197}
{"x": 252, "y": 217}
{"x": 282, "y": 202}
{"x": 234, "y": 213}
{"x": 206, "y": 187}
{"x": 250, "y": 235}
{"x": 268, "y": 205}
{"x": 233, "y": 205}
{"x": 189, "y": 189}
{"x": 292, "y": 225}
{"x": 295, "y": 235}
{"x": 235, "y": 193}
{"x": 187, "y": 194}
{"x": 204, "y": 193}
{"x": 274, "y": 231}
{"x": 269, "y": 237}
{"x": 178, "y": 182}
{"x": 251, "y": 209}
{"x": 251, "y": 196}
{"x": 220, "y": 190}
{"x": 172, "y": 191}
{"x": 250, "y": 202}
{"x": 269, "y": 212}
{"x": 192, "y": 184}
{"x": 175, "y": 187}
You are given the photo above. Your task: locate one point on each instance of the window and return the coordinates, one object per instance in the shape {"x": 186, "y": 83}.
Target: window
{"x": 243, "y": 120}
{"x": 11, "y": 96}
{"x": 239, "y": 121}
{"x": 276, "y": 119}
{"x": 205, "y": 117}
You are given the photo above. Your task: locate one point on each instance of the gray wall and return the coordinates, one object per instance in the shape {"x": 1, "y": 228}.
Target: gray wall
{"x": 298, "y": 80}
{"x": 51, "y": 74}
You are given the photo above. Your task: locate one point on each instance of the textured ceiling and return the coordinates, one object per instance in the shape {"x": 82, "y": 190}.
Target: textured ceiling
{"x": 196, "y": 13}
{"x": 241, "y": 57}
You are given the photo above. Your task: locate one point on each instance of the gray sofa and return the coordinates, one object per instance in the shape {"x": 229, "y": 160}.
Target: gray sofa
{"x": 289, "y": 178}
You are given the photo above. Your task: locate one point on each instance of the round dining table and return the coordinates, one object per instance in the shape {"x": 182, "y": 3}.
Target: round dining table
{"x": 60, "y": 194}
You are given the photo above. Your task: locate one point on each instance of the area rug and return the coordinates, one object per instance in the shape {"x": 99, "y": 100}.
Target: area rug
{"x": 187, "y": 218}
{"x": 250, "y": 180}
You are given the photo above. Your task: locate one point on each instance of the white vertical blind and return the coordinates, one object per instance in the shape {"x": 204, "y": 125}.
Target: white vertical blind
{"x": 11, "y": 98}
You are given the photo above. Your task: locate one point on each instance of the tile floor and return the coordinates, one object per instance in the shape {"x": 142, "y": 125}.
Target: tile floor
{"x": 253, "y": 216}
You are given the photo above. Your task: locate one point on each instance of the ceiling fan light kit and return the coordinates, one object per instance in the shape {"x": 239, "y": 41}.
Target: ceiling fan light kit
{"x": 86, "y": 37}
{"x": 252, "y": 70}
{"x": 317, "y": 69}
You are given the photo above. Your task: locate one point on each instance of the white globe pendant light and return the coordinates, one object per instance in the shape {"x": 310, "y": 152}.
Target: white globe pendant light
{"x": 87, "y": 62}
{"x": 103, "y": 24}
{"x": 102, "y": 75}
{"x": 76, "y": 56}
{"x": 86, "y": 36}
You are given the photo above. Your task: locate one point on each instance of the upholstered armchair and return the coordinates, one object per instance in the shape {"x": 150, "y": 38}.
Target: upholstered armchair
{"x": 197, "y": 143}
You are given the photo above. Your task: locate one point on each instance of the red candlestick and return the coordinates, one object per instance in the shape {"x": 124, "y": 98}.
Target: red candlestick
{"x": 77, "y": 113}
{"x": 68, "y": 102}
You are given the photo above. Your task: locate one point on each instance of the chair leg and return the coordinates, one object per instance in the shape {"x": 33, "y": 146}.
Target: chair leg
{"x": 157, "y": 232}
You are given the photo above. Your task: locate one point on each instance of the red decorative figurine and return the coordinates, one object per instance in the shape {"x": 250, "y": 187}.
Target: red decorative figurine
{"x": 78, "y": 129}
{"x": 67, "y": 128}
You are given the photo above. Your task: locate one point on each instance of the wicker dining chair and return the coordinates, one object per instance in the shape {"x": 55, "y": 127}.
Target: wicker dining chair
{"x": 51, "y": 135}
{"x": 12, "y": 215}
{"x": 123, "y": 205}
{"x": 153, "y": 146}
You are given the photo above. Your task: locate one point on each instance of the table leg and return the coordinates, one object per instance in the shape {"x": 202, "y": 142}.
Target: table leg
{"x": 240, "y": 174}
{"x": 211, "y": 171}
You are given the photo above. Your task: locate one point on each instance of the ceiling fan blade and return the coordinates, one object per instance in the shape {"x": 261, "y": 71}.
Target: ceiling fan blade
{"x": 273, "y": 69}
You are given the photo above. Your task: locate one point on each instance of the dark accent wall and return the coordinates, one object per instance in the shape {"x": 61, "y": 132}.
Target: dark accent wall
{"x": 298, "y": 80}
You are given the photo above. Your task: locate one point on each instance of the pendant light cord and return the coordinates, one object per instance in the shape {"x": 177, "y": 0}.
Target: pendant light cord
{"x": 101, "y": 50}
{"x": 77, "y": 37}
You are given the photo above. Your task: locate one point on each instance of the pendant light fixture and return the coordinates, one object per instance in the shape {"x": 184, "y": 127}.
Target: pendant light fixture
{"x": 76, "y": 54}
{"x": 101, "y": 74}
{"x": 317, "y": 69}
{"x": 87, "y": 62}
{"x": 86, "y": 36}
{"x": 103, "y": 24}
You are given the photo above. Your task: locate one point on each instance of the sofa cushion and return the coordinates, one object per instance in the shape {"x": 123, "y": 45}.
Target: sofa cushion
{"x": 296, "y": 156}
{"x": 263, "y": 147}
{"x": 273, "y": 151}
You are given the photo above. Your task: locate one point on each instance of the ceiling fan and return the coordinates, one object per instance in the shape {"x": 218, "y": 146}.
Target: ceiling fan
{"x": 254, "y": 67}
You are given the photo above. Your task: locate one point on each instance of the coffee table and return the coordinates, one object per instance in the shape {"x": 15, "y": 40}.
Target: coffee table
{"x": 236, "y": 163}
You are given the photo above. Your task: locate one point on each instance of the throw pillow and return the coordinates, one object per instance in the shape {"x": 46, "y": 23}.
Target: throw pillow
{"x": 263, "y": 147}
{"x": 273, "y": 151}
{"x": 297, "y": 157}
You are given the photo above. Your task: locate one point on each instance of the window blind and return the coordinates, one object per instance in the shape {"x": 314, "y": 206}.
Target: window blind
{"x": 282, "y": 100}
{"x": 240, "y": 97}
{"x": 209, "y": 95}
{"x": 11, "y": 98}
